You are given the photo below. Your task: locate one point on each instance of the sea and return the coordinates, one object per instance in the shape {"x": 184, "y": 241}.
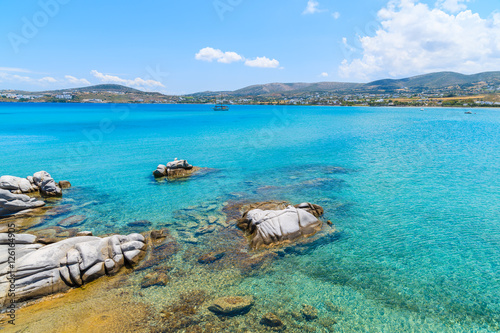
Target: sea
{"x": 414, "y": 195}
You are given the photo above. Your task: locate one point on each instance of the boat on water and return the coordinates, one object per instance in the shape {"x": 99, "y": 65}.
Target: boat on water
{"x": 220, "y": 106}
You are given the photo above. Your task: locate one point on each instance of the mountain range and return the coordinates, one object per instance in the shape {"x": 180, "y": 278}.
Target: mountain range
{"x": 444, "y": 81}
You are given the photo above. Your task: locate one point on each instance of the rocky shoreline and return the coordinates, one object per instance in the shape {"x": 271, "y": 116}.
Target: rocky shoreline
{"x": 14, "y": 198}
{"x": 201, "y": 261}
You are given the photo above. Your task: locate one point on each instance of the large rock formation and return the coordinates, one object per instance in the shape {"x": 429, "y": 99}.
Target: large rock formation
{"x": 40, "y": 181}
{"x": 42, "y": 270}
{"x": 175, "y": 169}
{"x": 268, "y": 227}
{"x": 11, "y": 203}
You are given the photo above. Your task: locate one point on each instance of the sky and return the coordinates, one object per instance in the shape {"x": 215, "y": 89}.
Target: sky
{"x": 180, "y": 47}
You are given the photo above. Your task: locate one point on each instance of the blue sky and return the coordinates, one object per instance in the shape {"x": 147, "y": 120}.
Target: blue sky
{"x": 189, "y": 46}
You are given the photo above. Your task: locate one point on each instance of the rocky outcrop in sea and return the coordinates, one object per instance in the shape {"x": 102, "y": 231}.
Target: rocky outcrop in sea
{"x": 41, "y": 270}
{"x": 270, "y": 224}
{"x": 175, "y": 169}
{"x": 13, "y": 190}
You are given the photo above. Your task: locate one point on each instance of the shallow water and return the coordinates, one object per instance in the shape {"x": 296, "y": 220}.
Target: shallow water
{"x": 415, "y": 195}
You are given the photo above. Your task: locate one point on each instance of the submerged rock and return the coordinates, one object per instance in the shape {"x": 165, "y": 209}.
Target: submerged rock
{"x": 309, "y": 312}
{"x": 277, "y": 226}
{"x": 68, "y": 263}
{"x": 271, "y": 320}
{"x": 11, "y": 203}
{"x": 231, "y": 305}
{"x": 210, "y": 257}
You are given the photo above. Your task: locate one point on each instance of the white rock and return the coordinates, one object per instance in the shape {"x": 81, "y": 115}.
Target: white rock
{"x": 39, "y": 177}
{"x": 272, "y": 226}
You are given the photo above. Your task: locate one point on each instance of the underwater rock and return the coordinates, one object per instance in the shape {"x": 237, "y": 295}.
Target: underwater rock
{"x": 72, "y": 221}
{"x": 68, "y": 263}
{"x": 271, "y": 320}
{"x": 157, "y": 278}
{"x": 231, "y": 305}
{"x": 210, "y": 257}
{"x": 64, "y": 184}
{"x": 141, "y": 223}
{"x": 11, "y": 203}
{"x": 309, "y": 312}
{"x": 277, "y": 226}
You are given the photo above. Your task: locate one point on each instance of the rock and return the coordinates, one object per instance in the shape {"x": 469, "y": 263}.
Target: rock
{"x": 271, "y": 320}
{"x": 94, "y": 272}
{"x": 231, "y": 305}
{"x": 161, "y": 171}
{"x": 72, "y": 221}
{"x": 84, "y": 233}
{"x": 141, "y": 223}
{"x": 6, "y": 238}
{"x": 315, "y": 210}
{"x": 49, "y": 188}
{"x": 273, "y": 227}
{"x": 154, "y": 279}
{"x": 133, "y": 257}
{"x": 11, "y": 203}
{"x": 39, "y": 177}
{"x": 309, "y": 312}
{"x": 17, "y": 184}
{"x": 44, "y": 270}
{"x": 158, "y": 234}
{"x": 175, "y": 169}
{"x": 178, "y": 164}
{"x": 64, "y": 184}
{"x": 210, "y": 257}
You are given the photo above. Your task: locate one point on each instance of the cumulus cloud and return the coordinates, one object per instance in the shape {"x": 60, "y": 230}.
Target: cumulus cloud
{"x": 48, "y": 79}
{"x": 324, "y": 74}
{"x": 74, "y": 80}
{"x": 262, "y": 62}
{"x": 312, "y": 7}
{"x": 137, "y": 82}
{"x": 415, "y": 39}
{"x": 336, "y": 15}
{"x": 453, "y": 6}
{"x": 210, "y": 54}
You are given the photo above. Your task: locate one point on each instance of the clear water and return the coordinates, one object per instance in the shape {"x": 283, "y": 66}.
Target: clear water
{"x": 417, "y": 202}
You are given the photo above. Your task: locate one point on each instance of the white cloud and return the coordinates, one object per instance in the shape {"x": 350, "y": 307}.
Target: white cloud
{"x": 324, "y": 74}
{"x": 262, "y": 62}
{"x": 74, "y": 80}
{"x": 210, "y": 54}
{"x": 414, "y": 39}
{"x": 453, "y": 6}
{"x": 137, "y": 82}
{"x": 336, "y": 15}
{"x": 14, "y": 69}
{"x": 312, "y": 7}
{"x": 48, "y": 79}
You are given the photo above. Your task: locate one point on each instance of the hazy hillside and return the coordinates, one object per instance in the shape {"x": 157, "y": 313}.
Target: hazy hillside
{"x": 436, "y": 81}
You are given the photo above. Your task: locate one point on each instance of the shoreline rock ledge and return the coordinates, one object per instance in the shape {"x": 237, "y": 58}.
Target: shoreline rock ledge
{"x": 175, "y": 169}
{"x": 43, "y": 270}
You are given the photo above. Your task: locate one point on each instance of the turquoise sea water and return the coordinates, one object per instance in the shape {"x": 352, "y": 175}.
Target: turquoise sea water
{"x": 415, "y": 194}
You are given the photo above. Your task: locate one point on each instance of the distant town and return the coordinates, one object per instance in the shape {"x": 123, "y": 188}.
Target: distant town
{"x": 436, "y": 89}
